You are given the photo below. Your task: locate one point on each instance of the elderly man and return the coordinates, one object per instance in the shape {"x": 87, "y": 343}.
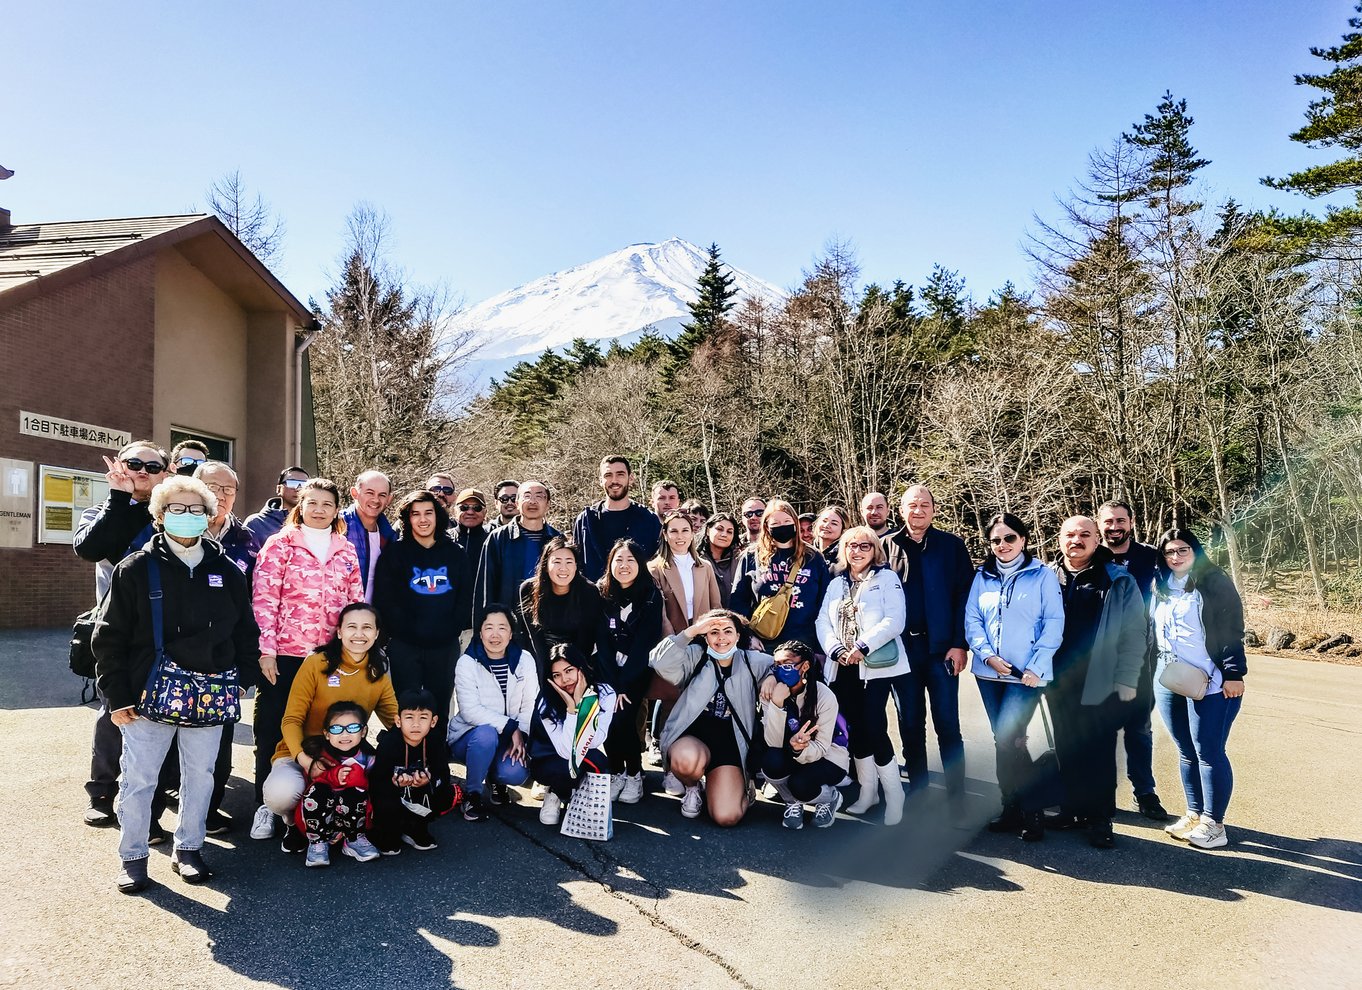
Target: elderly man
{"x": 270, "y": 519}
{"x": 875, "y": 512}
{"x": 238, "y": 542}
{"x": 366, "y": 526}
{"x": 443, "y": 486}
{"x": 1096, "y": 674}
{"x": 935, "y": 569}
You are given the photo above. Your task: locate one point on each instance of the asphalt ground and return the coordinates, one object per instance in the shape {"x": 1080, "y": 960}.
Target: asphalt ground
{"x": 669, "y": 902}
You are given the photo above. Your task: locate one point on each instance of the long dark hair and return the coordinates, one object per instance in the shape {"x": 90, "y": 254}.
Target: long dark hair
{"x": 416, "y": 498}
{"x": 1162, "y": 572}
{"x": 1017, "y": 526}
{"x": 543, "y": 584}
{"x": 702, "y": 545}
{"x": 295, "y": 514}
{"x": 643, "y": 585}
{"x": 549, "y": 699}
{"x": 808, "y": 712}
{"x": 333, "y": 650}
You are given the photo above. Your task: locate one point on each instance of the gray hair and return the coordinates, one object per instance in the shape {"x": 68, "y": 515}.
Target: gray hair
{"x": 175, "y": 484}
{"x": 207, "y": 466}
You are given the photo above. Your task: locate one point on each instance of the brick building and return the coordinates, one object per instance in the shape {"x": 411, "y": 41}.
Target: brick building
{"x": 116, "y": 330}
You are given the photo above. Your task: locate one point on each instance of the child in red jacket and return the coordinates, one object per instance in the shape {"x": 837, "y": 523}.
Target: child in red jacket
{"x": 335, "y": 807}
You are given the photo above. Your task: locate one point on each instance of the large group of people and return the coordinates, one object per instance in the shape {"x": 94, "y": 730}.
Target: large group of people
{"x": 753, "y": 650}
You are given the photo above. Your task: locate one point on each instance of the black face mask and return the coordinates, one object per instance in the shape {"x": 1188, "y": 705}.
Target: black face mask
{"x": 784, "y": 534}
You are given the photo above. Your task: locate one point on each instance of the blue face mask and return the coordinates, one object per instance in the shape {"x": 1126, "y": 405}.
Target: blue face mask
{"x": 787, "y": 674}
{"x": 186, "y": 525}
{"x": 723, "y": 656}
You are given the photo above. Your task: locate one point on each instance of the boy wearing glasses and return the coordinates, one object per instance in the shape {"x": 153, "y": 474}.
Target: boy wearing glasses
{"x": 106, "y": 534}
{"x": 270, "y": 519}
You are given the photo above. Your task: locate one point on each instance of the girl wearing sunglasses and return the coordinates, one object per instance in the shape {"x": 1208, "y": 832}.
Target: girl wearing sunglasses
{"x": 1014, "y": 622}
{"x": 335, "y": 807}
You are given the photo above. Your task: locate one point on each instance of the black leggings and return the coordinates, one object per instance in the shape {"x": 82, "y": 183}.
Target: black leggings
{"x": 552, "y": 772}
{"x": 429, "y": 667}
{"x": 865, "y": 705}
{"x": 270, "y": 702}
{"x": 805, "y": 780}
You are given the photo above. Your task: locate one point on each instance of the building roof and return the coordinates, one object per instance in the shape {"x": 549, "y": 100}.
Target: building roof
{"x": 38, "y": 256}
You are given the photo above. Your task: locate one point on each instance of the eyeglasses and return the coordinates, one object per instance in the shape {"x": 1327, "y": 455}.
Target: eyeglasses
{"x": 506, "y": 499}
{"x": 1009, "y": 539}
{"x": 753, "y": 513}
{"x": 186, "y": 461}
{"x": 335, "y": 730}
{"x": 861, "y": 547}
{"x": 442, "y": 489}
{"x": 470, "y": 507}
{"x": 1177, "y": 551}
{"x": 179, "y": 509}
{"x": 135, "y": 464}
{"x": 222, "y": 489}
{"x": 294, "y": 483}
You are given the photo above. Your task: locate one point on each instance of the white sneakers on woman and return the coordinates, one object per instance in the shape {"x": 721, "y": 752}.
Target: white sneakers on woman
{"x": 672, "y": 784}
{"x": 1184, "y": 826}
{"x": 1208, "y": 835}
{"x": 262, "y": 825}
{"x": 692, "y": 801}
{"x": 551, "y": 811}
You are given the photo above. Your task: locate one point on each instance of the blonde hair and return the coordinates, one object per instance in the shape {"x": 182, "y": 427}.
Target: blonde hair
{"x": 766, "y": 547}
{"x": 858, "y": 534}
{"x": 831, "y": 510}
{"x": 174, "y": 484}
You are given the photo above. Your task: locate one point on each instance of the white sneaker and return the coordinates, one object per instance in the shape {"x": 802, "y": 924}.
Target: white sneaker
{"x": 262, "y": 825}
{"x": 1208, "y": 835}
{"x": 617, "y": 785}
{"x": 672, "y": 785}
{"x": 793, "y": 816}
{"x": 632, "y": 790}
{"x": 1184, "y": 826}
{"x": 551, "y": 811}
{"x": 318, "y": 854}
{"x": 692, "y": 801}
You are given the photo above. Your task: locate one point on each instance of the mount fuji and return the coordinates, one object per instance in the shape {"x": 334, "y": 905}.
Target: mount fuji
{"x": 614, "y": 297}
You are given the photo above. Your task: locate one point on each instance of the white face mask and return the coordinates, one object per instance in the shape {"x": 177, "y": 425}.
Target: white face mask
{"x": 723, "y": 656}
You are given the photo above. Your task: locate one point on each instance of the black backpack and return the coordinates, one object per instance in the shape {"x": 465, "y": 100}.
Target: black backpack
{"x": 81, "y": 657}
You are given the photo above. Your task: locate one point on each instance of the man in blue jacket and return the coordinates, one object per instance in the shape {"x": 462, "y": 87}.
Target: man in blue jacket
{"x": 511, "y": 552}
{"x": 615, "y": 516}
{"x": 366, "y": 526}
{"x": 936, "y": 572}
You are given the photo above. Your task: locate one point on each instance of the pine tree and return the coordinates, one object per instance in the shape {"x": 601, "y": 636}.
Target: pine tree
{"x": 707, "y": 314}
{"x": 1333, "y": 120}
{"x": 1173, "y": 163}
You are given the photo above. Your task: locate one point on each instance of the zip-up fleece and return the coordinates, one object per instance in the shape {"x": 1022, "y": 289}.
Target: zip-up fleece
{"x": 1020, "y": 618}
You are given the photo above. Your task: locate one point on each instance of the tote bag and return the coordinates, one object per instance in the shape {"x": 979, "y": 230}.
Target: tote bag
{"x": 588, "y": 814}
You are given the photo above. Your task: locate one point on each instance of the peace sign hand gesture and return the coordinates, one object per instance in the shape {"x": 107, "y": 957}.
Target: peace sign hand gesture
{"x": 119, "y": 478}
{"x": 801, "y": 739}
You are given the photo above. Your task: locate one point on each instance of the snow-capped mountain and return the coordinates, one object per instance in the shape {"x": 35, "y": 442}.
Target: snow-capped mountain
{"x": 616, "y": 296}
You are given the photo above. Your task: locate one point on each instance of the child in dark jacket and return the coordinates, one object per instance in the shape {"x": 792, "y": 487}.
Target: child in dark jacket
{"x": 410, "y": 782}
{"x": 335, "y": 807}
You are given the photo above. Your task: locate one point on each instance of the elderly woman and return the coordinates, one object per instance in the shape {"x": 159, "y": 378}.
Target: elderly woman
{"x": 176, "y": 632}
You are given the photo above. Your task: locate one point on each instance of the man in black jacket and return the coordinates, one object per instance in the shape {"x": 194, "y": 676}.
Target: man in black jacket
{"x": 511, "y": 553}
{"x": 106, "y": 534}
{"x": 1118, "y": 535}
{"x": 614, "y": 517}
{"x": 936, "y": 572}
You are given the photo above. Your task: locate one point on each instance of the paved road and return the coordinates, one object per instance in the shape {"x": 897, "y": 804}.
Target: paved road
{"x": 676, "y": 903}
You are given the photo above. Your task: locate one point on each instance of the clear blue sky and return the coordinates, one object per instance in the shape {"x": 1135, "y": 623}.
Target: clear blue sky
{"x": 510, "y": 139}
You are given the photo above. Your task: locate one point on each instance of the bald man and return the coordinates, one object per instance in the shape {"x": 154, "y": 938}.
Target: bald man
{"x": 875, "y": 512}
{"x": 366, "y": 526}
{"x": 1096, "y": 673}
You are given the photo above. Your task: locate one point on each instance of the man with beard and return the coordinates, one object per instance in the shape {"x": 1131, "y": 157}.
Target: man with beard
{"x": 614, "y": 517}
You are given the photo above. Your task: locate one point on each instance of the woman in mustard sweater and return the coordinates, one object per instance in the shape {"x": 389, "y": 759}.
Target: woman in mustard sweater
{"x": 350, "y": 667}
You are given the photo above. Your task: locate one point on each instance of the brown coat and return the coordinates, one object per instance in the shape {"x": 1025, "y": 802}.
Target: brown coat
{"x": 668, "y": 580}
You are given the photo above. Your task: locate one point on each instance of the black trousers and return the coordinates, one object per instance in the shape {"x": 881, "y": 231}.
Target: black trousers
{"x": 270, "y": 702}
{"x": 429, "y": 667}
{"x": 623, "y": 743}
{"x": 552, "y": 772}
{"x": 390, "y": 818}
{"x": 865, "y": 706}
{"x": 805, "y": 780}
{"x": 1085, "y": 742}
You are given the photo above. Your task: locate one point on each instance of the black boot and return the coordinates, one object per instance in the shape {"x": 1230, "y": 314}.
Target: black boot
{"x": 1033, "y": 826}
{"x": 1009, "y": 821}
{"x": 132, "y": 879}
{"x": 1100, "y": 836}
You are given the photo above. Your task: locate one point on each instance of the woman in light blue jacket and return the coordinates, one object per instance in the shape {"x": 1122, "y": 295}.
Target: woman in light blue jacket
{"x": 1014, "y": 621}
{"x": 859, "y": 624}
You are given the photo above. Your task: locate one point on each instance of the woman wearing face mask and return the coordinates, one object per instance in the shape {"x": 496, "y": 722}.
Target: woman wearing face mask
{"x": 631, "y": 625}
{"x": 305, "y": 574}
{"x": 495, "y": 683}
{"x": 1014, "y": 622}
{"x": 779, "y": 557}
{"x": 206, "y": 628}
{"x": 718, "y": 547}
{"x": 572, "y": 720}
{"x": 805, "y": 757}
{"x": 709, "y": 735}
{"x": 558, "y": 604}
{"x": 1198, "y": 619}
{"x": 859, "y": 625}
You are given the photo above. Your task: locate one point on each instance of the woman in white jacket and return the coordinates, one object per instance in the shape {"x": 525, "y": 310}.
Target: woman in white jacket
{"x": 570, "y": 727}
{"x": 859, "y": 625}
{"x": 495, "y": 685}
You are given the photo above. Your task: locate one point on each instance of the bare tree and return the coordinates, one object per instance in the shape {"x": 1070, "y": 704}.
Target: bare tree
{"x": 250, "y": 218}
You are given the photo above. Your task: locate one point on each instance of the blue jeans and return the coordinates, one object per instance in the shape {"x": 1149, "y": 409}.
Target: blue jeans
{"x": 1010, "y": 708}
{"x": 1200, "y": 730}
{"x": 929, "y": 682}
{"x": 481, "y": 751}
{"x": 145, "y": 744}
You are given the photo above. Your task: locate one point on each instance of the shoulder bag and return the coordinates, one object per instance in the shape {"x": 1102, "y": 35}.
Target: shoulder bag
{"x": 768, "y": 618}
{"x": 1183, "y": 678}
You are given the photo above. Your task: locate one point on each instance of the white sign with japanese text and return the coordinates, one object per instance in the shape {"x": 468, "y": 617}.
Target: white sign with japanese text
{"x": 52, "y": 428}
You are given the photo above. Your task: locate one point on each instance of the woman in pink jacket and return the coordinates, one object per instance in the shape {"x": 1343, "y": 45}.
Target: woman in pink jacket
{"x": 305, "y": 574}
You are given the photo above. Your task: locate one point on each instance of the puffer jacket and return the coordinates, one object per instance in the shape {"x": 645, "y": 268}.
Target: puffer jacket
{"x": 1019, "y": 618}
{"x": 298, "y": 598}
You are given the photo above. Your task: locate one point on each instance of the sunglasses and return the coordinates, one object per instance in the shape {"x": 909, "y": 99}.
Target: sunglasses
{"x": 179, "y": 509}
{"x": 186, "y": 461}
{"x": 335, "y": 730}
{"x": 506, "y": 499}
{"x": 753, "y": 513}
{"x": 135, "y": 464}
{"x": 1009, "y": 539}
{"x": 294, "y": 482}
{"x": 470, "y": 507}
{"x": 442, "y": 489}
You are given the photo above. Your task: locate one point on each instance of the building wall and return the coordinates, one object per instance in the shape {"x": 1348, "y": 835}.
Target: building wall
{"x": 84, "y": 352}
